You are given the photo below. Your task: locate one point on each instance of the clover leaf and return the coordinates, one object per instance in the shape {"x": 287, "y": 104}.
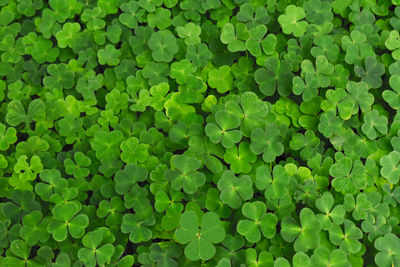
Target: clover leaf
{"x": 111, "y": 210}
{"x": 133, "y": 152}
{"x": 186, "y": 175}
{"x": 392, "y": 97}
{"x": 109, "y": 55}
{"x": 131, "y": 14}
{"x": 390, "y": 165}
{"x": 240, "y": 158}
{"x": 388, "y": 247}
{"x": 374, "y": 124}
{"x": 163, "y": 45}
{"x": 190, "y": 32}
{"x": 266, "y": 142}
{"x": 200, "y": 234}
{"x": 259, "y": 220}
{"x": 137, "y": 227}
{"x": 126, "y": 179}
{"x": 7, "y": 137}
{"x": 224, "y": 130}
{"x": 34, "y": 229}
{"x": 331, "y": 214}
{"x": 234, "y": 36}
{"x": 347, "y": 240}
{"x": 305, "y": 235}
{"x": 234, "y": 189}
{"x": 67, "y": 221}
{"x": 349, "y": 175}
{"x": 275, "y": 76}
{"x": 292, "y": 22}
{"x": 221, "y": 79}
{"x": 372, "y": 72}
{"x": 274, "y": 184}
{"x": 98, "y": 247}
{"x": 60, "y": 77}
{"x": 51, "y": 182}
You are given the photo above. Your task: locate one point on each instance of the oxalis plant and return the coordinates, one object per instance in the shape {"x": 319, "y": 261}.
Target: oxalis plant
{"x": 219, "y": 133}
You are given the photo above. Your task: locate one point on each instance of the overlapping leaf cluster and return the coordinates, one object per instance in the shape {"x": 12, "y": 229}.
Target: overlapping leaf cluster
{"x": 199, "y": 133}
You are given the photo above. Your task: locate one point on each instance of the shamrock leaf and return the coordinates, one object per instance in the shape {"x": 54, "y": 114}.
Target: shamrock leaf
{"x": 347, "y": 240}
{"x": 190, "y": 32}
{"x": 253, "y": 15}
{"x": 318, "y": 12}
{"x": 390, "y": 164}
{"x": 256, "y": 40}
{"x": 374, "y": 124}
{"x": 107, "y": 145}
{"x": 393, "y": 43}
{"x": 266, "y": 142}
{"x": 356, "y": 47}
{"x": 208, "y": 153}
{"x": 198, "y": 54}
{"x": 325, "y": 46}
{"x": 7, "y": 137}
{"x": 323, "y": 256}
{"x": 240, "y": 159}
{"x": 186, "y": 175}
{"x": 25, "y": 173}
{"x": 234, "y": 36}
{"x": 224, "y": 129}
{"x": 163, "y": 45}
{"x": 131, "y": 14}
{"x": 308, "y": 143}
{"x": 234, "y": 189}
{"x": 349, "y": 176}
{"x": 291, "y": 21}
{"x": 70, "y": 127}
{"x": 259, "y": 219}
{"x": 66, "y": 35}
{"x": 393, "y": 97}
{"x": 111, "y": 210}
{"x": 305, "y": 234}
{"x": 133, "y": 152}
{"x": 60, "y": 77}
{"x": 109, "y": 55}
{"x": 19, "y": 254}
{"x": 34, "y": 228}
{"x": 137, "y": 227}
{"x": 77, "y": 168}
{"x": 375, "y": 227}
{"x": 199, "y": 234}
{"x": 330, "y": 124}
{"x": 321, "y": 71}
{"x": 161, "y": 18}
{"x": 98, "y": 248}
{"x": 389, "y": 253}
{"x": 251, "y": 110}
{"x": 22, "y": 203}
{"x": 308, "y": 87}
{"x": 165, "y": 255}
{"x": 65, "y": 219}
{"x": 371, "y": 73}
{"x": 275, "y": 76}
{"x": 331, "y": 215}
{"x": 221, "y": 79}
{"x": 181, "y": 70}
{"x": 275, "y": 184}
{"x": 51, "y": 182}
{"x": 126, "y": 179}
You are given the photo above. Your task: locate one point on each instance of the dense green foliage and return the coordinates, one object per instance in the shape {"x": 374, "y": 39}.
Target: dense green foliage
{"x": 199, "y": 133}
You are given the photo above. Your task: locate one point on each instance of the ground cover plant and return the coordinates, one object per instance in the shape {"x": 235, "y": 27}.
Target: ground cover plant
{"x": 199, "y": 133}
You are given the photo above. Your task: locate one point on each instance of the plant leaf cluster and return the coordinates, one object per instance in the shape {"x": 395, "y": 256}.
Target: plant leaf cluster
{"x": 199, "y": 133}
